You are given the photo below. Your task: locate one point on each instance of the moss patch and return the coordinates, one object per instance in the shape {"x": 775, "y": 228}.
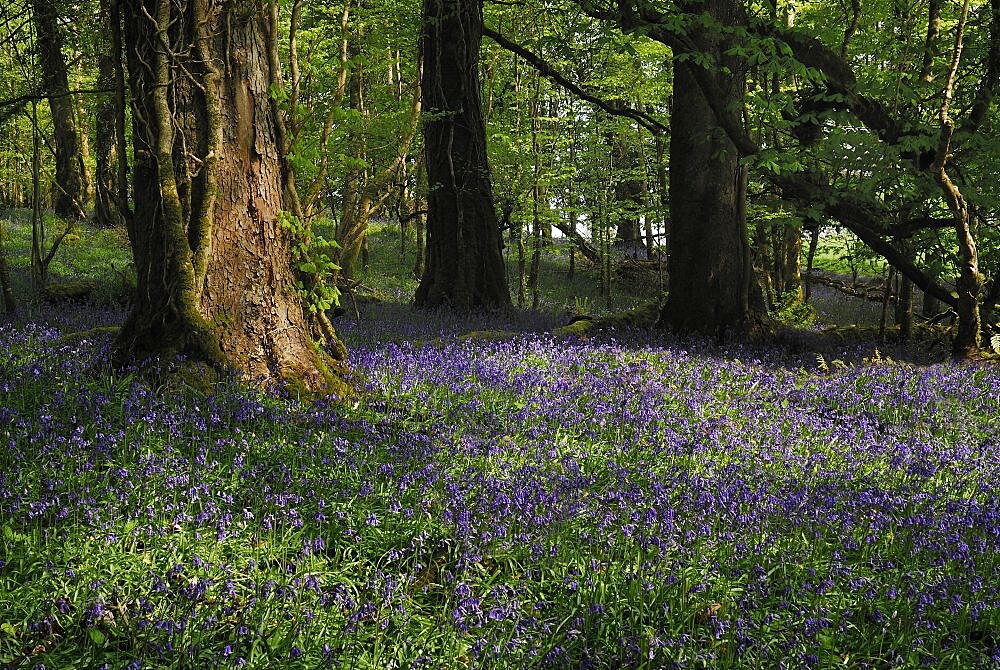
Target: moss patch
{"x": 78, "y": 290}
{"x": 91, "y": 333}
{"x": 643, "y": 316}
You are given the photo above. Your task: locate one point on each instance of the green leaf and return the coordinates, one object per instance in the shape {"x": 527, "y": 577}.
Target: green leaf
{"x": 97, "y": 637}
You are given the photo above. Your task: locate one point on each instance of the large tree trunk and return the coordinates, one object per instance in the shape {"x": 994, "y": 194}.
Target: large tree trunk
{"x": 69, "y": 191}
{"x": 215, "y": 280}
{"x": 708, "y": 288}
{"x": 465, "y": 267}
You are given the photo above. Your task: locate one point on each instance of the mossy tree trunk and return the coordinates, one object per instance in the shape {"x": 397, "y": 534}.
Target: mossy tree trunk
{"x": 69, "y": 190}
{"x": 215, "y": 278}
{"x": 970, "y": 280}
{"x": 464, "y": 267}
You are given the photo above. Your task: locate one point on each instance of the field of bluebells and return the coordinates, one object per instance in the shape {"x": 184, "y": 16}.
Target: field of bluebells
{"x": 499, "y": 502}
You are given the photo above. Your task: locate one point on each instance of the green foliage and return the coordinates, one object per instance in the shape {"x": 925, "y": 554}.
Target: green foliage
{"x": 791, "y": 311}
{"x": 582, "y": 306}
{"x": 317, "y": 272}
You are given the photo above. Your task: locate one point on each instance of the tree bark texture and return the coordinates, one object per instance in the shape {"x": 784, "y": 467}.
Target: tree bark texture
{"x": 69, "y": 191}
{"x": 708, "y": 289}
{"x": 465, "y": 267}
{"x": 215, "y": 279}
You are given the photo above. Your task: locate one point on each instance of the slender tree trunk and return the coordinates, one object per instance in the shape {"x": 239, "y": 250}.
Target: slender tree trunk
{"x": 571, "y": 196}
{"x": 904, "y": 309}
{"x": 789, "y": 243}
{"x": 970, "y": 281}
{"x": 810, "y": 257}
{"x": 536, "y": 196}
{"x": 709, "y": 254}
{"x": 83, "y": 156}
{"x": 9, "y": 304}
{"x": 357, "y": 203}
{"x": 39, "y": 269}
{"x": 213, "y": 260}
{"x": 521, "y": 275}
{"x": 904, "y": 303}
{"x": 887, "y": 297}
{"x": 69, "y": 192}
{"x": 106, "y": 212}
{"x": 930, "y": 44}
{"x": 465, "y": 267}
{"x": 419, "y": 203}
{"x": 662, "y": 191}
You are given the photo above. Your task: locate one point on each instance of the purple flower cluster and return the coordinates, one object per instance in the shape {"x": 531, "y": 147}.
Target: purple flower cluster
{"x": 518, "y": 502}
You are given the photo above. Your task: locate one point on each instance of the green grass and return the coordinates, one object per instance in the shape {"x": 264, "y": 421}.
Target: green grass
{"x": 87, "y": 253}
{"x": 844, "y": 254}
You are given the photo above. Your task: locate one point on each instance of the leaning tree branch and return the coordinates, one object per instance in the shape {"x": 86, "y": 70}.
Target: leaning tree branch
{"x": 545, "y": 69}
{"x": 862, "y": 219}
{"x": 38, "y": 94}
{"x": 912, "y": 226}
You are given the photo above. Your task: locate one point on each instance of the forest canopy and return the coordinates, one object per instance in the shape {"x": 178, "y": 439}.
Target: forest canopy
{"x": 247, "y": 147}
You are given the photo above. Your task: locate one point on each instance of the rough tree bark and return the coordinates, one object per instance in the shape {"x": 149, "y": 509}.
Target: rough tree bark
{"x": 708, "y": 287}
{"x": 465, "y": 267}
{"x": 215, "y": 276}
{"x": 69, "y": 191}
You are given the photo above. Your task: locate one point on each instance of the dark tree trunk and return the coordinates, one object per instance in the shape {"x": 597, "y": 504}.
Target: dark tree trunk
{"x": 787, "y": 243}
{"x": 708, "y": 289}
{"x": 810, "y": 257}
{"x": 628, "y": 193}
{"x": 69, "y": 192}
{"x": 904, "y": 305}
{"x": 106, "y": 212}
{"x": 215, "y": 280}
{"x": 83, "y": 155}
{"x": 465, "y": 267}
{"x": 9, "y": 304}
{"x": 628, "y": 189}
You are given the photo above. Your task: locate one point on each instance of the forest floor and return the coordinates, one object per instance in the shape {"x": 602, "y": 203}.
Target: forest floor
{"x": 506, "y": 500}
